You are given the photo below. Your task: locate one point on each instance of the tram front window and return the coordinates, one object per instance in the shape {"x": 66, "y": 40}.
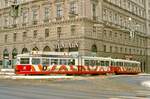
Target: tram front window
{"x": 24, "y": 60}
{"x": 35, "y": 61}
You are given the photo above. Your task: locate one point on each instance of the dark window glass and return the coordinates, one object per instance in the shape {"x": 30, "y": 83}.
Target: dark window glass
{"x": 24, "y": 61}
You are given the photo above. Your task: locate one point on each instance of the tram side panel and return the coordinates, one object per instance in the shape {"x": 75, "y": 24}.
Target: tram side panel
{"x": 86, "y": 65}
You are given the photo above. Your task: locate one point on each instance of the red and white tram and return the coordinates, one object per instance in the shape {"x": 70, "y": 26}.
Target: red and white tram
{"x": 72, "y": 63}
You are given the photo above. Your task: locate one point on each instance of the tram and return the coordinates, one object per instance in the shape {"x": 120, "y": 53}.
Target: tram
{"x": 72, "y": 63}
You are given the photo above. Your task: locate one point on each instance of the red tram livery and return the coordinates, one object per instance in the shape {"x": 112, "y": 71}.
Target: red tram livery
{"x": 72, "y": 63}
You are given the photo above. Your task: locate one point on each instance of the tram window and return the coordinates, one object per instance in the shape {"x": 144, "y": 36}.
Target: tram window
{"x": 71, "y": 62}
{"x": 92, "y": 62}
{"x": 98, "y": 63}
{"x": 106, "y": 63}
{"x": 36, "y": 61}
{"x": 24, "y": 60}
{"x": 130, "y": 64}
{"x": 120, "y": 64}
{"x": 86, "y": 62}
{"x": 63, "y": 61}
{"x": 102, "y": 63}
{"x": 45, "y": 61}
{"x": 125, "y": 64}
{"x": 54, "y": 61}
{"x": 112, "y": 63}
{"x": 117, "y": 63}
{"x": 135, "y": 64}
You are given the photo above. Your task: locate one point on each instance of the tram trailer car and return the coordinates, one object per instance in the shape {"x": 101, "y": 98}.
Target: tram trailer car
{"x": 71, "y": 63}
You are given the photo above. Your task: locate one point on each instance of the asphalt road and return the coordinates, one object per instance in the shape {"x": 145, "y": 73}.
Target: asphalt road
{"x": 121, "y": 87}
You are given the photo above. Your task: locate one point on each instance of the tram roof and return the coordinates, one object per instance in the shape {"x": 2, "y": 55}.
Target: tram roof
{"x": 48, "y": 54}
{"x": 123, "y": 60}
{"x": 95, "y": 58}
{"x": 109, "y": 59}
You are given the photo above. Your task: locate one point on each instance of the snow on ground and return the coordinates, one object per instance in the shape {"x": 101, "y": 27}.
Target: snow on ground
{"x": 146, "y": 83}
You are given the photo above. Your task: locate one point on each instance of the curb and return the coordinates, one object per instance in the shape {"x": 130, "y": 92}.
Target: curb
{"x": 35, "y": 77}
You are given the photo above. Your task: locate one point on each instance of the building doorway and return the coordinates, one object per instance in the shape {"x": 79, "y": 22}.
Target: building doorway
{"x": 5, "y": 62}
{"x": 14, "y": 56}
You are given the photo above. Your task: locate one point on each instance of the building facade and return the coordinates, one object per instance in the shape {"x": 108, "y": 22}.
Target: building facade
{"x": 107, "y": 28}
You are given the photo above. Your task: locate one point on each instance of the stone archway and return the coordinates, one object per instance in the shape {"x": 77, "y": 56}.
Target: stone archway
{"x": 46, "y": 49}
{"x": 14, "y": 53}
{"x": 6, "y": 62}
{"x": 24, "y": 50}
{"x": 5, "y": 54}
{"x": 35, "y": 49}
{"x": 94, "y": 48}
{"x": 14, "y": 56}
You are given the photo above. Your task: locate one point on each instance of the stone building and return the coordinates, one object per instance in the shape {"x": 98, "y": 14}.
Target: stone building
{"x": 107, "y": 28}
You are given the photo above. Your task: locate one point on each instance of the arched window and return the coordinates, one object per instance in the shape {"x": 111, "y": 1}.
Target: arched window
{"x": 46, "y": 49}
{"x": 73, "y": 49}
{"x": 14, "y": 53}
{"x": 74, "y": 46}
{"x": 94, "y": 48}
{"x": 5, "y": 54}
{"x": 35, "y": 49}
{"x": 24, "y": 50}
{"x": 61, "y": 50}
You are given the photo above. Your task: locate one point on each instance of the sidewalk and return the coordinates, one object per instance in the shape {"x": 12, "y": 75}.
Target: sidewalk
{"x": 7, "y": 72}
{"x": 35, "y": 77}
